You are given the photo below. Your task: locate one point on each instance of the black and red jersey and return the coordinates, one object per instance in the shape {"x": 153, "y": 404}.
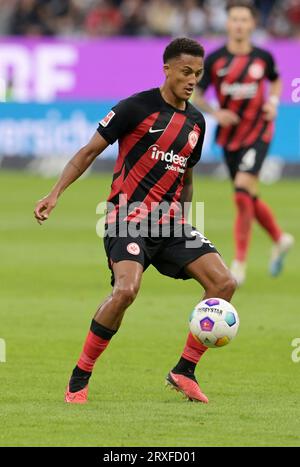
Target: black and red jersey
{"x": 157, "y": 143}
{"x": 239, "y": 82}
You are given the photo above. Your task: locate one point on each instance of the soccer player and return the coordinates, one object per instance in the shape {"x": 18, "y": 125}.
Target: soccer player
{"x": 238, "y": 72}
{"x": 160, "y": 138}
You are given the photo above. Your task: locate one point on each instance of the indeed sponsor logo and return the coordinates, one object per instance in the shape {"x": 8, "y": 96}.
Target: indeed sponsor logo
{"x": 169, "y": 157}
{"x": 239, "y": 90}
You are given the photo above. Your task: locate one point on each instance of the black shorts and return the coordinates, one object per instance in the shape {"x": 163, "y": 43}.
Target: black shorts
{"x": 169, "y": 255}
{"x": 248, "y": 160}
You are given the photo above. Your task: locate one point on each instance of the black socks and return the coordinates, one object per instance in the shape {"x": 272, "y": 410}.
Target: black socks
{"x": 185, "y": 367}
{"x": 79, "y": 379}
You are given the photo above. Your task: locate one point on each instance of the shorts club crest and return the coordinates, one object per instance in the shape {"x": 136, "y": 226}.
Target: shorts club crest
{"x": 133, "y": 249}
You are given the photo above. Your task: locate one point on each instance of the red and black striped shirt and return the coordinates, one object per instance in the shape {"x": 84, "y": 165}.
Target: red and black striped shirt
{"x": 157, "y": 143}
{"x": 239, "y": 82}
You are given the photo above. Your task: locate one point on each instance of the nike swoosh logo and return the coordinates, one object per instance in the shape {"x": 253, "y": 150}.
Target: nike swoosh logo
{"x": 155, "y": 131}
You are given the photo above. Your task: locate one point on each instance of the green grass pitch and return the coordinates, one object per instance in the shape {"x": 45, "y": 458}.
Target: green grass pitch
{"x": 52, "y": 278}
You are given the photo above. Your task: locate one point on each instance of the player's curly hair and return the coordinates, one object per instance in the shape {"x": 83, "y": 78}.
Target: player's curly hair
{"x": 242, "y": 3}
{"x": 183, "y": 45}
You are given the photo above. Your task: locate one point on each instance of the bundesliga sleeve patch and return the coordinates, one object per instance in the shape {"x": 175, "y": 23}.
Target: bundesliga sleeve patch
{"x": 105, "y": 121}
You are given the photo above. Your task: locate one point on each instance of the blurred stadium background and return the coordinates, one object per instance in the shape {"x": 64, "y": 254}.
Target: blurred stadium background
{"x": 63, "y": 63}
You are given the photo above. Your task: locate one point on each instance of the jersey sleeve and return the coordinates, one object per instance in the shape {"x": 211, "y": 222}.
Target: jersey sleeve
{"x": 117, "y": 122}
{"x": 206, "y": 79}
{"x": 272, "y": 72}
{"x": 196, "y": 154}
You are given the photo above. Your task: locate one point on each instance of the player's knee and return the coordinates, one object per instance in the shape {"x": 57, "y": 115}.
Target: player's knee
{"x": 226, "y": 287}
{"x": 125, "y": 294}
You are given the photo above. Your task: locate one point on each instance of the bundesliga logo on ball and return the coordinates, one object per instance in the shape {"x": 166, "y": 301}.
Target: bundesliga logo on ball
{"x": 214, "y": 322}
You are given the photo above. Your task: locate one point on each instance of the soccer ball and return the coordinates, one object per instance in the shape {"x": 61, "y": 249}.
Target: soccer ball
{"x": 214, "y": 322}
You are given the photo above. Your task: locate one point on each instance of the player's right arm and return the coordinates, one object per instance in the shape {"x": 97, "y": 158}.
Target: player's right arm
{"x": 72, "y": 171}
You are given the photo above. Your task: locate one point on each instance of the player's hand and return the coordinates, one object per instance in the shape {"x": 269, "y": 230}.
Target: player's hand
{"x": 226, "y": 117}
{"x": 43, "y": 208}
{"x": 270, "y": 111}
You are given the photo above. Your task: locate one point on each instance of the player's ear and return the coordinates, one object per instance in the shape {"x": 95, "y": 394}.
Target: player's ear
{"x": 201, "y": 75}
{"x": 166, "y": 69}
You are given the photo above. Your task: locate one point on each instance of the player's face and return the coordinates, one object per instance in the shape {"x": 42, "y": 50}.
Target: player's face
{"x": 240, "y": 24}
{"x": 182, "y": 75}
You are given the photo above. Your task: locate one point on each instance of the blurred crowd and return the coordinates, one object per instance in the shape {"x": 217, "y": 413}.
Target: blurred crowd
{"x": 78, "y": 18}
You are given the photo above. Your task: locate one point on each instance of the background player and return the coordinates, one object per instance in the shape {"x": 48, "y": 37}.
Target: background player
{"x": 160, "y": 140}
{"x": 238, "y": 72}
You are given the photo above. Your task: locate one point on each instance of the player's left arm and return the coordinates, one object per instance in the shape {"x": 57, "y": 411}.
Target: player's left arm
{"x": 275, "y": 90}
{"x": 187, "y": 190}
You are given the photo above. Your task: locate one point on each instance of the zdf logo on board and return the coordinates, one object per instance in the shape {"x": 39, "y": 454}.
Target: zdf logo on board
{"x": 39, "y": 73}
